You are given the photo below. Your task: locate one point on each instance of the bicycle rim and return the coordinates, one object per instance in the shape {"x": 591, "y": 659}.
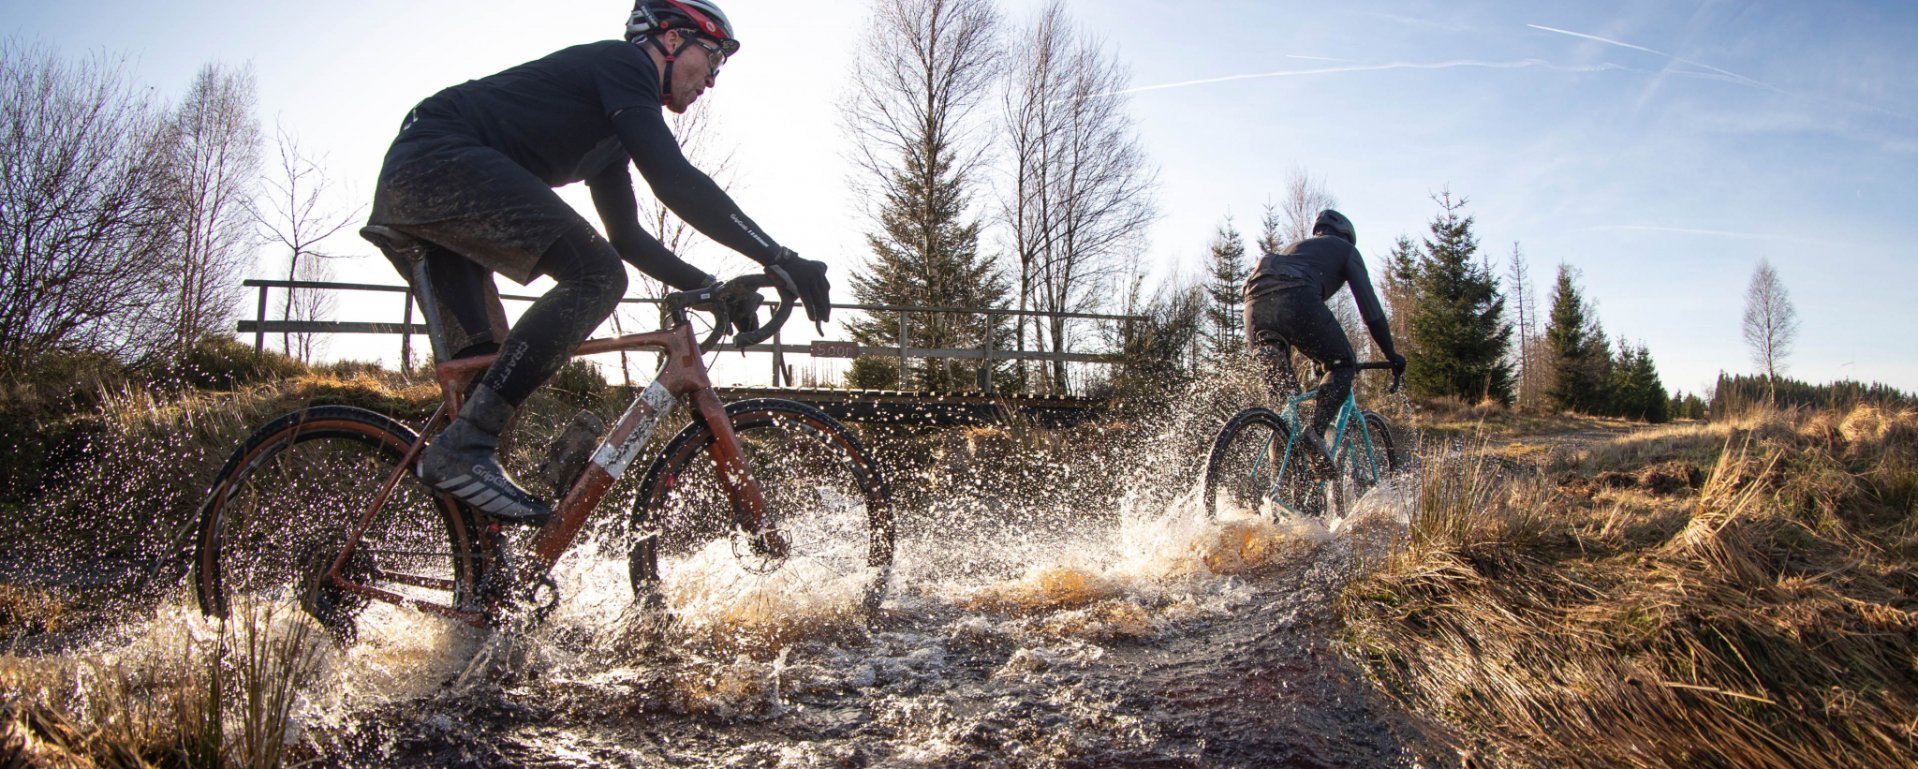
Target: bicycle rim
{"x": 824, "y": 495}
{"x": 287, "y": 501}
{"x": 1255, "y": 469}
{"x": 1374, "y": 455}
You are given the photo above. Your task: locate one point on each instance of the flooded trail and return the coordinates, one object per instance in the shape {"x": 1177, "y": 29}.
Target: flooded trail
{"x": 1055, "y": 601}
{"x": 1174, "y": 643}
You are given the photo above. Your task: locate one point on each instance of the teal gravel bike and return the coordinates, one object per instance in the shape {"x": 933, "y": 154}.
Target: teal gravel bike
{"x": 1259, "y": 462}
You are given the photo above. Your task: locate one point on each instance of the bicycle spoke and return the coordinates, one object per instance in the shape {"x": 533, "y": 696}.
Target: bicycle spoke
{"x": 281, "y": 519}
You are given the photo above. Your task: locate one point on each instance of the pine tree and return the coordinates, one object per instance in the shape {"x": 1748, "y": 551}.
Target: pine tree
{"x": 1458, "y": 327}
{"x": 1397, "y": 286}
{"x": 926, "y": 254}
{"x": 1270, "y": 237}
{"x": 1621, "y": 398}
{"x": 1580, "y": 356}
{"x": 1225, "y": 291}
{"x": 1649, "y": 391}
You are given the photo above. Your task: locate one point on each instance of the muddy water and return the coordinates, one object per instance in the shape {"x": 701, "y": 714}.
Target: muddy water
{"x": 1145, "y": 639}
{"x": 1082, "y": 628}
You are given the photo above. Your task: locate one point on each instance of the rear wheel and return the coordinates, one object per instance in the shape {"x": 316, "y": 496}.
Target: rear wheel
{"x": 1255, "y": 467}
{"x": 284, "y": 505}
{"x": 825, "y": 496}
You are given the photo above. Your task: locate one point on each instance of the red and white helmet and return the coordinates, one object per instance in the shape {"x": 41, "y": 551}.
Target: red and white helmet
{"x": 700, "y": 17}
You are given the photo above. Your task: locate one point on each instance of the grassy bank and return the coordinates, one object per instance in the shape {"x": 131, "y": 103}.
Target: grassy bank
{"x": 1725, "y": 595}
{"x": 219, "y": 698}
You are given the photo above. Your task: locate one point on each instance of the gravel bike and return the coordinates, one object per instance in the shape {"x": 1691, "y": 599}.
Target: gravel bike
{"x": 1259, "y": 461}
{"x": 322, "y": 506}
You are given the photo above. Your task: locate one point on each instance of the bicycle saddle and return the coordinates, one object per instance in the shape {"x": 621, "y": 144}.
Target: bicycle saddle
{"x": 392, "y": 241}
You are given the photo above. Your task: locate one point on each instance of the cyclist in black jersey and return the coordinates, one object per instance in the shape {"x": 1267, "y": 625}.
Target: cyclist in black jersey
{"x": 1285, "y": 309}
{"x": 472, "y": 173}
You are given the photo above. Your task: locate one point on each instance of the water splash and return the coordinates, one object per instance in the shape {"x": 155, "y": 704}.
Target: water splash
{"x": 1079, "y": 609}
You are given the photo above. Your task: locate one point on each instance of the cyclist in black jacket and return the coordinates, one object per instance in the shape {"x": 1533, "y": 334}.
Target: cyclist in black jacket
{"x": 1285, "y": 308}
{"x": 472, "y": 173}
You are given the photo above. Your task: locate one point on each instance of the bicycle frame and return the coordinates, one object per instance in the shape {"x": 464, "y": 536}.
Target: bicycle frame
{"x": 683, "y": 376}
{"x": 1348, "y": 413}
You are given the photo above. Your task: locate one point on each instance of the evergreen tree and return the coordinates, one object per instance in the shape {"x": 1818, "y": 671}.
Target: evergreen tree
{"x": 1634, "y": 391}
{"x": 916, "y": 80}
{"x": 1458, "y": 326}
{"x": 1397, "y": 289}
{"x": 1688, "y": 406}
{"x": 1580, "y": 358}
{"x": 1647, "y": 390}
{"x": 1270, "y": 237}
{"x": 926, "y": 254}
{"x": 1225, "y": 291}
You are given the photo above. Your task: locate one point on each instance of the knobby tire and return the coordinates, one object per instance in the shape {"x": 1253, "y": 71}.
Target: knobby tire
{"x": 283, "y": 506}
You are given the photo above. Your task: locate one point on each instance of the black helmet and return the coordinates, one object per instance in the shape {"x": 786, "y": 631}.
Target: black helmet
{"x": 701, "y": 17}
{"x": 1333, "y": 223}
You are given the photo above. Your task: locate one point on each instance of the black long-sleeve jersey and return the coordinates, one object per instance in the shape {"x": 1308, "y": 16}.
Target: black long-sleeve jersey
{"x": 1324, "y": 264}
{"x": 578, "y": 115}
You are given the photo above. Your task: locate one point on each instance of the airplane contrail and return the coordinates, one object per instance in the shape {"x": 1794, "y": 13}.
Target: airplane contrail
{"x": 1728, "y": 74}
{"x": 1693, "y": 231}
{"x": 1621, "y": 44}
{"x": 1526, "y": 63}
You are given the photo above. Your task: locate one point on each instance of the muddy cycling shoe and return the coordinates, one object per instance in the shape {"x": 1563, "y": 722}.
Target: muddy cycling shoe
{"x": 464, "y": 461}
{"x": 1318, "y": 455}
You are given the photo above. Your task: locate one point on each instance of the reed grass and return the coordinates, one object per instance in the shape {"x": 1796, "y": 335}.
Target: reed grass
{"x": 1774, "y": 627}
{"x": 221, "y": 699}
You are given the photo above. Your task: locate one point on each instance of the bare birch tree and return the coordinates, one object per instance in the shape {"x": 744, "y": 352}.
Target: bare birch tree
{"x": 1771, "y": 323}
{"x": 78, "y": 219}
{"x": 1080, "y": 192}
{"x": 215, "y": 142}
{"x": 1533, "y": 374}
{"x": 1304, "y": 198}
{"x": 924, "y": 66}
{"x": 1297, "y": 211}
{"x": 695, "y": 131}
{"x": 292, "y": 215}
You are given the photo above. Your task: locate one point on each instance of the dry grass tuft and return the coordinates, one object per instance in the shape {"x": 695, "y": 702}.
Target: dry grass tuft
{"x": 221, "y": 700}
{"x": 32, "y": 611}
{"x": 1774, "y": 628}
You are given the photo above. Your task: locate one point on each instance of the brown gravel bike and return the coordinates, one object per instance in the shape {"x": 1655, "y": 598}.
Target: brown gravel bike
{"x": 322, "y": 506}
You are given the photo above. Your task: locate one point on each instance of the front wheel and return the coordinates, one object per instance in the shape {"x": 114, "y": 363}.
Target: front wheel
{"x": 1369, "y": 453}
{"x": 285, "y": 504}
{"x": 824, "y": 495}
{"x": 1256, "y": 467}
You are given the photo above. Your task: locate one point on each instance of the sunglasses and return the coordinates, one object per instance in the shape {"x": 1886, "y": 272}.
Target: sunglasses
{"x": 715, "y": 53}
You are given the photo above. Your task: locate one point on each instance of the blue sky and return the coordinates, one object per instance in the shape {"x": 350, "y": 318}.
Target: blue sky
{"x": 1660, "y": 147}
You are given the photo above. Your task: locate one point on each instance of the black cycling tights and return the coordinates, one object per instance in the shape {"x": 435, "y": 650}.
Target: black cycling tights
{"x": 1299, "y": 319}
{"x": 591, "y": 281}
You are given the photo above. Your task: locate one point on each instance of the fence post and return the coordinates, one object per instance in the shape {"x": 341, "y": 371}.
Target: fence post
{"x": 986, "y": 376}
{"x": 902, "y": 350}
{"x": 259, "y": 326}
{"x": 779, "y": 359}
{"x": 406, "y": 335}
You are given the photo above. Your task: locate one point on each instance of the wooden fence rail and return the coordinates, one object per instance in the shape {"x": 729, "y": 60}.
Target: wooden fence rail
{"x": 986, "y": 352}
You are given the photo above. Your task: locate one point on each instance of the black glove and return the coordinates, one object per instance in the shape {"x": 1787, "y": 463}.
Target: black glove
{"x": 739, "y": 305}
{"x": 1398, "y": 363}
{"x": 809, "y": 278}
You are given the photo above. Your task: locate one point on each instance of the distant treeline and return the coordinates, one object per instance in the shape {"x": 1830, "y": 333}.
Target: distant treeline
{"x": 1736, "y": 394}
